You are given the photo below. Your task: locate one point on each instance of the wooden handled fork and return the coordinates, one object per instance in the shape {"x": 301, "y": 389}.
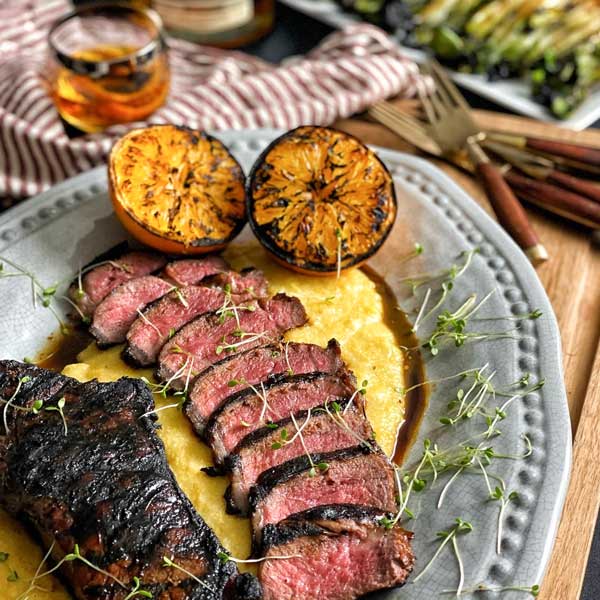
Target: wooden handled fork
{"x": 453, "y": 129}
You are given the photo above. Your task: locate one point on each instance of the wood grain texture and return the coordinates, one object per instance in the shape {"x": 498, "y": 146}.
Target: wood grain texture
{"x": 572, "y": 281}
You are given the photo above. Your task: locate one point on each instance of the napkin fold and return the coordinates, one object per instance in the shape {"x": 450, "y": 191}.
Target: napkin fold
{"x": 210, "y": 89}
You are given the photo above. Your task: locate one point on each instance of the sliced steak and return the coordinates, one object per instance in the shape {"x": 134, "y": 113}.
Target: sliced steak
{"x": 345, "y": 553}
{"x": 163, "y": 318}
{"x": 248, "y": 280}
{"x": 99, "y": 281}
{"x": 100, "y": 480}
{"x": 209, "y": 338}
{"x": 247, "y": 411}
{"x": 216, "y": 383}
{"x": 266, "y": 448}
{"x": 190, "y": 271}
{"x": 115, "y": 314}
{"x": 358, "y": 475}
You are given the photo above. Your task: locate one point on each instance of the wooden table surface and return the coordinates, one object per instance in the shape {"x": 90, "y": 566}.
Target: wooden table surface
{"x": 572, "y": 281}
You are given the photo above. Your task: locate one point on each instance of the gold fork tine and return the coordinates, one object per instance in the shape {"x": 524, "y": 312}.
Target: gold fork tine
{"x": 437, "y": 100}
{"x": 426, "y": 103}
{"x": 448, "y": 85}
{"x": 395, "y": 115}
{"x": 441, "y": 88}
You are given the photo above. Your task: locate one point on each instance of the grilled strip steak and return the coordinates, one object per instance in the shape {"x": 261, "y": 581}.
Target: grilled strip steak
{"x": 345, "y": 553}
{"x": 190, "y": 271}
{"x": 357, "y": 475}
{"x": 247, "y": 280}
{"x": 115, "y": 314}
{"x": 101, "y": 480}
{"x": 247, "y": 411}
{"x": 265, "y": 447}
{"x": 98, "y": 282}
{"x": 217, "y": 382}
{"x": 209, "y": 338}
{"x": 163, "y": 318}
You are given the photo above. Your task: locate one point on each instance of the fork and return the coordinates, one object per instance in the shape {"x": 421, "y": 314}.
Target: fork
{"x": 453, "y": 129}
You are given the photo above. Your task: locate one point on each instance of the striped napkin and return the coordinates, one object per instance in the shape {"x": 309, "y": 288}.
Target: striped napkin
{"x": 210, "y": 89}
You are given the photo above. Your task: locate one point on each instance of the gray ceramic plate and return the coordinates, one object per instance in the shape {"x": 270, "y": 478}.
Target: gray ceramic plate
{"x": 72, "y": 223}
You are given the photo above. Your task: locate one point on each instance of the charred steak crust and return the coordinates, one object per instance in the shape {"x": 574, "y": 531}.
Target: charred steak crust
{"x": 103, "y": 276}
{"x": 344, "y": 552}
{"x": 213, "y": 386}
{"x": 276, "y": 382}
{"x": 308, "y": 523}
{"x": 286, "y": 471}
{"x": 104, "y": 484}
{"x": 199, "y": 340}
{"x": 270, "y": 432}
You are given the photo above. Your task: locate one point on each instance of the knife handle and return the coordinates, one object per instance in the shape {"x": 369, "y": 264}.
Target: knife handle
{"x": 510, "y": 212}
{"x": 584, "y": 154}
{"x": 560, "y": 201}
{"x": 582, "y": 187}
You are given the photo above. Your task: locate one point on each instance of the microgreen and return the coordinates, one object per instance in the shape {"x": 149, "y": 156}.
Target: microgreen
{"x": 9, "y": 402}
{"x": 338, "y": 261}
{"x": 12, "y": 576}
{"x": 168, "y": 562}
{"x": 225, "y": 557}
{"x": 136, "y": 591}
{"x": 180, "y": 296}
{"x": 39, "y": 292}
{"x": 290, "y": 371}
{"x": 449, "y": 536}
{"x": 449, "y": 274}
{"x": 314, "y": 468}
{"x": 362, "y": 390}
{"x": 417, "y": 251}
{"x": 4, "y": 556}
{"x": 532, "y": 590}
{"x": 149, "y": 322}
{"x": 60, "y": 405}
{"x": 246, "y": 338}
{"x": 334, "y": 410}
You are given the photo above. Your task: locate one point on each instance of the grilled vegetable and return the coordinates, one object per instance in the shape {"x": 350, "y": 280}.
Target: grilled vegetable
{"x": 320, "y": 201}
{"x": 553, "y": 44}
{"x": 177, "y": 190}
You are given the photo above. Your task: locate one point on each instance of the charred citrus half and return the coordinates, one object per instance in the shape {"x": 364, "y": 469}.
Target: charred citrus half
{"x": 176, "y": 189}
{"x": 319, "y": 199}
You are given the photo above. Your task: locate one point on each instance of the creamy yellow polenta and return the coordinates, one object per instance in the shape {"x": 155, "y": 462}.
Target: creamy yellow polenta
{"x": 349, "y": 309}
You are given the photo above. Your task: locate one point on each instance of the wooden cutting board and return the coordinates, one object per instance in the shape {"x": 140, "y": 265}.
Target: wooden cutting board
{"x": 572, "y": 280}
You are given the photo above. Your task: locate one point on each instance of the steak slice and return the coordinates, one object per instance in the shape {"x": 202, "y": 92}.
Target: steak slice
{"x": 247, "y": 411}
{"x": 209, "y": 338}
{"x": 358, "y": 475}
{"x": 101, "y": 480}
{"x": 217, "y": 382}
{"x": 264, "y": 448}
{"x": 247, "y": 280}
{"x": 345, "y": 553}
{"x": 190, "y": 271}
{"x": 99, "y": 281}
{"x": 163, "y": 318}
{"x": 115, "y": 314}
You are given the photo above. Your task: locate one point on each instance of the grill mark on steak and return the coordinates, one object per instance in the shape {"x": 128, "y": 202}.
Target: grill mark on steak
{"x": 116, "y": 313}
{"x": 345, "y": 554}
{"x": 167, "y": 315}
{"x": 355, "y": 475}
{"x": 255, "y": 454}
{"x": 190, "y": 271}
{"x": 241, "y": 414}
{"x": 97, "y": 283}
{"x": 106, "y": 486}
{"x": 212, "y": 387}
{"x": 194, "y": 347}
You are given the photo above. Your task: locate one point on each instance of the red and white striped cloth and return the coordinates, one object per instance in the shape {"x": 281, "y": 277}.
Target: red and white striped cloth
{"x": 210, "y": 89}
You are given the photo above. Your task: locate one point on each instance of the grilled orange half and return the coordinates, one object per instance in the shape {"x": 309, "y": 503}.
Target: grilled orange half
{"x": 319, "y": 200}
{"x": 177, "y": 190}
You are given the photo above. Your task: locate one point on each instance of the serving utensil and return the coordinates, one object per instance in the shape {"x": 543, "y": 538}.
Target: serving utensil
{"x": 453, "y": 129}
